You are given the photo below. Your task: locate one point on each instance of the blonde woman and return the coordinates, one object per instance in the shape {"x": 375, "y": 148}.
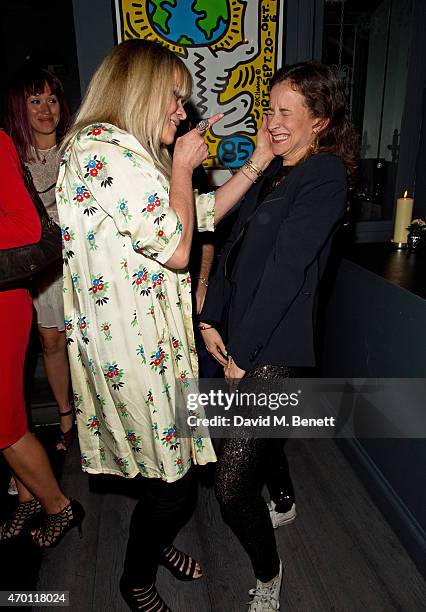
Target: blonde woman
{"x": 127, "y": 215}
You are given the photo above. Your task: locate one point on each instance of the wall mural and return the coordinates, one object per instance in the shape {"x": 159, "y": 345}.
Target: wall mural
{"x": 231, "y": 47}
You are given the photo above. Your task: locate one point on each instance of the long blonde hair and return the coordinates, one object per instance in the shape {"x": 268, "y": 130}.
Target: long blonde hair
{"x": 132, "y": 89}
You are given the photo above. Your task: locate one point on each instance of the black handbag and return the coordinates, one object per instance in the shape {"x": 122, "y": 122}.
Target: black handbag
{"x": 19, "y": 266}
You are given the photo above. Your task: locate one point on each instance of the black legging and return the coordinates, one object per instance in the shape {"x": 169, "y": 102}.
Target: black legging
{"x": 159, "y": 515}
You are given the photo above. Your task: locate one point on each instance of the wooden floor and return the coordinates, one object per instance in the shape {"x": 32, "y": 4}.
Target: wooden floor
{"x": 339, "y": 555}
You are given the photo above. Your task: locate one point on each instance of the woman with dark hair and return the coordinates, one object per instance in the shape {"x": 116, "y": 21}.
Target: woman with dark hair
{"x": 37, "y": 117}
{"x": 264, "y": 292}
{"x": 37, "y": 486}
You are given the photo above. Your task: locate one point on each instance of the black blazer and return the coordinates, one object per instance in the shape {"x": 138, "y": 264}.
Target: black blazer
{"x": 265, "y": 307}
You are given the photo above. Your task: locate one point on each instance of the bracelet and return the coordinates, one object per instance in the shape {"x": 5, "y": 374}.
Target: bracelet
{"x": 253, "y": 180}
{"x": 251, "y": 166}
{"x": 202, "y": 326}
{"x": 203, "y": 280}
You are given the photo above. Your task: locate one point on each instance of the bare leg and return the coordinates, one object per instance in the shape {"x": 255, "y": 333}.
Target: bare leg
{"x": 29, "y": 463}
{"x": 55, "y": 358}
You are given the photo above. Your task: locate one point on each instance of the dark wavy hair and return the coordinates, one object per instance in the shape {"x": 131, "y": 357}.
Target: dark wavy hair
{"x": 325, "y": 98}
{"x": 28, "y": 81}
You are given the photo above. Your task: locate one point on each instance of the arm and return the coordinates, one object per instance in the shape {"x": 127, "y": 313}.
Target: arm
{"x": 206, "y": 262}
{"x": 189, "y": 152}
{"x": 19, "y": 221}
{"x": 237, "y": 186}
{"x": 317, "y": 209}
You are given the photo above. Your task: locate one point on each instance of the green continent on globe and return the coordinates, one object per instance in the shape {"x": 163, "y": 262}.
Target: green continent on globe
{"x": 161, "y": 14}
{"x": 184, "y": 40}
{"x": 213, "y": 12}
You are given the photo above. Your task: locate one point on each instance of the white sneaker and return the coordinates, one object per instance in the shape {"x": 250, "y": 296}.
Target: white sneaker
{"x": 266, "y": 596}
{"x": 281, "y": 518}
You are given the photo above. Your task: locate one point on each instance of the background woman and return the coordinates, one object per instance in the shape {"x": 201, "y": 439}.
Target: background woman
{"x": 37, "y": 486}
{"x": 264, "y": 292}
{"x": 37, "y": 117}
{"x": 127, "y": 213}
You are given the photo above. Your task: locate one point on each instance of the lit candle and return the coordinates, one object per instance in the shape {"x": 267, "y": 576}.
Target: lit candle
{"x": 404, "y": 213}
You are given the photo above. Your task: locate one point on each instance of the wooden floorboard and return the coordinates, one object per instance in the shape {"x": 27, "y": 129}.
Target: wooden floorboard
{"x": 339, "y": 555}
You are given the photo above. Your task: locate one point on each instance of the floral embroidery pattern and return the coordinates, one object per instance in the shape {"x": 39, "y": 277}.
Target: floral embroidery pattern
{"x": 177, "y": 345}
{"x": 77, "y": 400}
{"x": 123, "y": 210}
{"x": 61, "y": 198}
{"x": 84, "y": 198}
{"x": 122, "y": 407}
{"x": 106, "y": 330}
{"x": 127, "y": 154}
{"x": 69, "y": 329}
{"x": 83, "y": 325}
{"x": 97, "y": 168}
{"x": 125, "y": 267}
{"x": 122, "y": 464}
{"x": 98, "y": 129}
{"x": 93, "y": 425}
{"x": 149, "y": 402}
{"x": 113, "y": 375}
{"x": 153, "y": 208}
{"x": 75, "y": 278}
{"x": 158, "y": 360}
{"x": 141, "y": 352}
{"x": 91, "y": 238}
{"x": 99, "y": 289}
{"x": 179, "y": 466}
{"x": 67, "y": 237}
{"x": 169, "y": 438}
{"x": 141, "y": 280}
{"x": 85, "y": 462}
{"x": 134, "y": 441}
{"x": 186, "y": 281}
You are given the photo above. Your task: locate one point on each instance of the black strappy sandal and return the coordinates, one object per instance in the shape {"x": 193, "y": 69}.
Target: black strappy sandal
{"x": 181, "y": 565}
{"x": 142, "y": 599}
{"x": 55, "y": 526}
{"x": 23, "y": 518}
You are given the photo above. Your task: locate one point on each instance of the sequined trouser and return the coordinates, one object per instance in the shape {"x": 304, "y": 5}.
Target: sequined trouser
{"x": 242, "y": 470}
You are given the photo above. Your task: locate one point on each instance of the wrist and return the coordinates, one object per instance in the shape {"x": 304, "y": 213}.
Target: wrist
{"x": 261, "y": 160}
{"x": 203, "y": 280}
{"x": 204, "y": 326}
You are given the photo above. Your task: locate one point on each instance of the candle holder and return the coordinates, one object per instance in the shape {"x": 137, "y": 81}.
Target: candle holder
{"x": 399, "y": 245}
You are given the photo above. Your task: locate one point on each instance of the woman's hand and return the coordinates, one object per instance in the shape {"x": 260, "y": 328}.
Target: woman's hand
{"x": 190, "y": 149}
{"x": 214, "y": 344}
{"x": 233, "y": 372}
{"x": 263, "y": 155}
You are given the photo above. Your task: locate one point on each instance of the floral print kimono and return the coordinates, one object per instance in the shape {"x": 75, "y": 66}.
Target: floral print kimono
{"x": 128, "y": 318}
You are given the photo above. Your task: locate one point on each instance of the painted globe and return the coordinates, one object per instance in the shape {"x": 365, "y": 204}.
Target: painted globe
{"x": 187, "y": 23}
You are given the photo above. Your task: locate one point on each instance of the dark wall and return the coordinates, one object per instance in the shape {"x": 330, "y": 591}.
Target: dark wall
{"x": 42, "y": 30}
{"x": 376, "y": 329}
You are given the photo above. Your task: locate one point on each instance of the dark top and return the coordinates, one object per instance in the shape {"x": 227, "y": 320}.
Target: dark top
{"x": 263, "y": 298}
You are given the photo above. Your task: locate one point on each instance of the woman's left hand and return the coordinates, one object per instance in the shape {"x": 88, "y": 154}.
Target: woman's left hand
{"x": 232, "y": 371}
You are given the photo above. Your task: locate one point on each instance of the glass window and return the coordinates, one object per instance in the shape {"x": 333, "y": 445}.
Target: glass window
{"x": 368, "y": 41}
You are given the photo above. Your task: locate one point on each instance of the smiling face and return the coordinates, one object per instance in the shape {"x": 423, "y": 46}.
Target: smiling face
{"x": 44, "y": 113}
{"x": 292, "y": 127}
{"x": 175, "y": 114}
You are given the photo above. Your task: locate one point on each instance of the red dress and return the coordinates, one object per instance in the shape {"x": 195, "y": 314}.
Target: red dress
{"x": 19, "y": 225}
